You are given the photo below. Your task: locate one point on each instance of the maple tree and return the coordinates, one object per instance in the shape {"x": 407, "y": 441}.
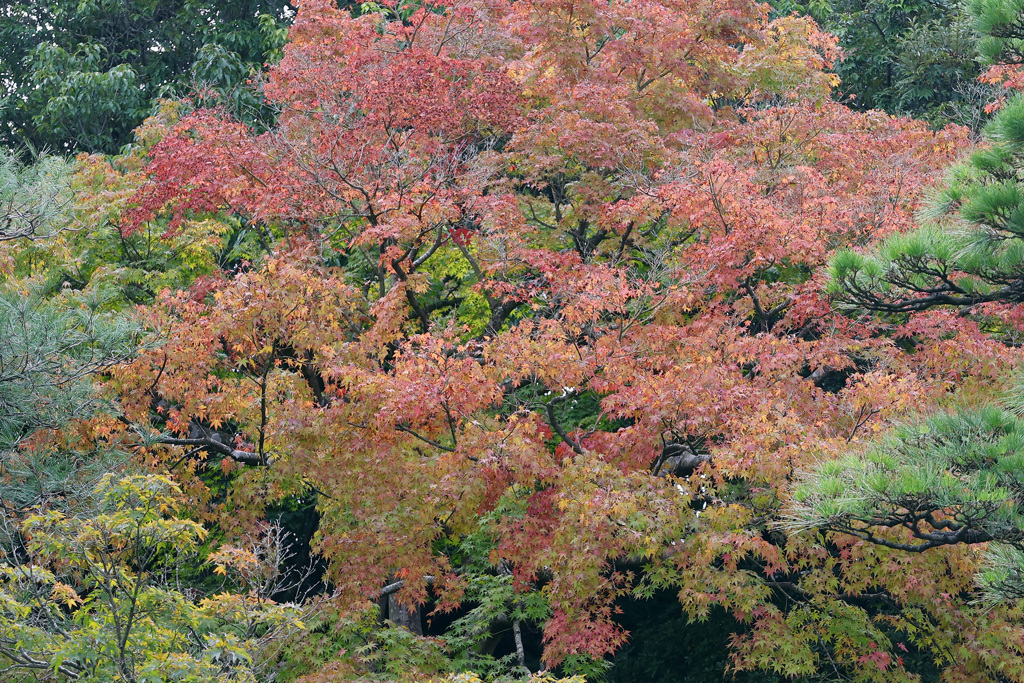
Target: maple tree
{"x": 478, "y": 218}
{"x": 535, "y": 301}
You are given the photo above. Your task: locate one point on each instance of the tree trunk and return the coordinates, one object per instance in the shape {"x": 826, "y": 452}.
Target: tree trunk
{"x": 409, "y": 617}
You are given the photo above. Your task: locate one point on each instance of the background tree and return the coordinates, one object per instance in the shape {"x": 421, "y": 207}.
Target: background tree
{"x": 910, "y": 58}
{"x": 80, "y": 76}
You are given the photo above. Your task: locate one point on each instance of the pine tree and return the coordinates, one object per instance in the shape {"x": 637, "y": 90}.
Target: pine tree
{"x": 969, "y": 249}
{"x": 953, "y": 478}
{"x": 50, "y": 352}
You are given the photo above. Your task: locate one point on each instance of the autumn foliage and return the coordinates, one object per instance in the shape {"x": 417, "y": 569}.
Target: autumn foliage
{"x": 549, "y": 273}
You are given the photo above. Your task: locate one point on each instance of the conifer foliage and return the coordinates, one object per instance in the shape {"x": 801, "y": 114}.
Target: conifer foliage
{"x": 949, "y": 478}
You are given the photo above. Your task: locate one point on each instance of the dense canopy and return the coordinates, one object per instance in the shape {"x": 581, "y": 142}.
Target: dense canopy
{"x": 489, "y": 340}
